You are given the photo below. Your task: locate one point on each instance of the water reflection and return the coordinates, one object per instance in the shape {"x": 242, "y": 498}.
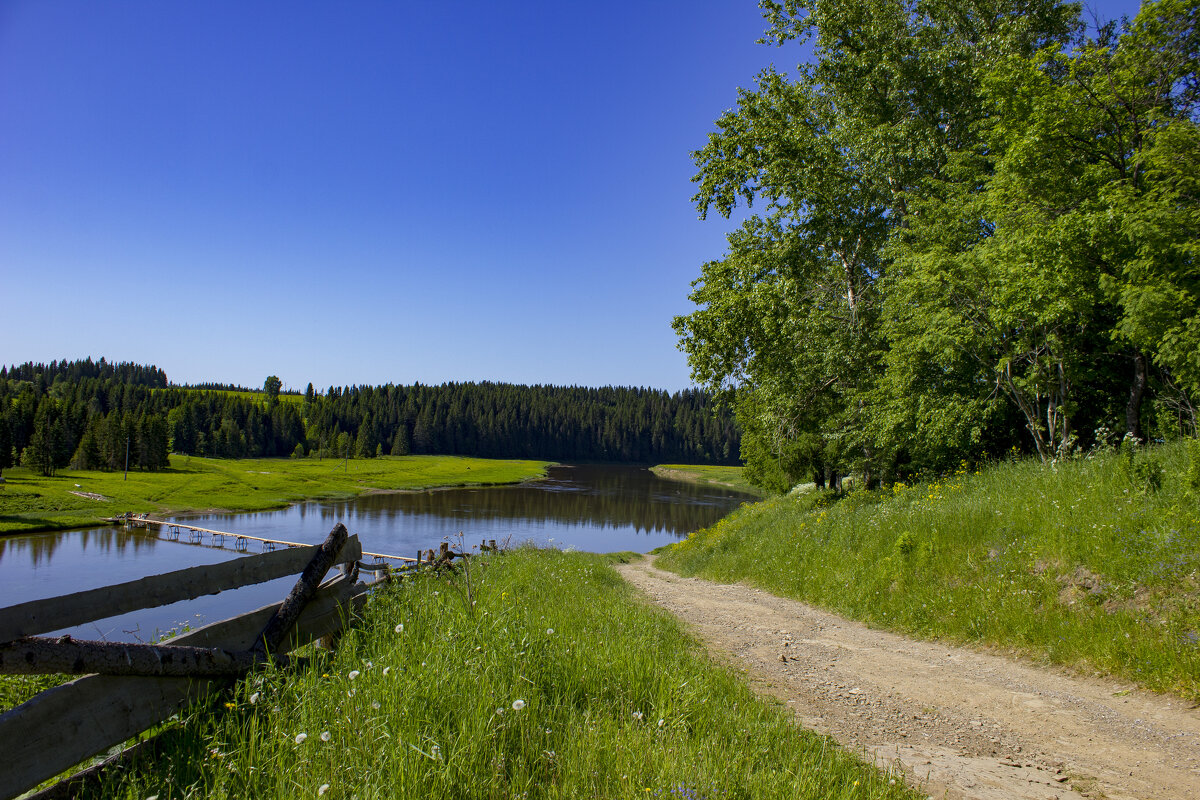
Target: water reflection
{"x": 596, "y": 508}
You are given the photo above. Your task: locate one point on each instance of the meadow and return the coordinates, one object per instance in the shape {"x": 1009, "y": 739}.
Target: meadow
{"x": 492, "y": 686}
{"x": 30, "y": 502}
{"x": 1092, "y": 563}
{"x": 728, "y": 477}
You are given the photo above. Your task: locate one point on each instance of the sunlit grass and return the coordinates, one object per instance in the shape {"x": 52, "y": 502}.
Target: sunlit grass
{"x": 29, "y": 502}
{"x": 559, "y": 682}
{"x": 729, "y": 477}
{"x": 1084, "y": 563}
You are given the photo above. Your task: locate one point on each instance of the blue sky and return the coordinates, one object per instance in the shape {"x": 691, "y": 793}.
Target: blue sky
{"x": 364, "y": 192}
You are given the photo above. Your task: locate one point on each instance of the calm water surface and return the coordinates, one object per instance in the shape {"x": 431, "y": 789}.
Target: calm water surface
{"x": 593, "y": 508}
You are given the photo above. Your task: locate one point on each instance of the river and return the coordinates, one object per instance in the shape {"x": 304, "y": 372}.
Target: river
{"x": 593, "y": 508}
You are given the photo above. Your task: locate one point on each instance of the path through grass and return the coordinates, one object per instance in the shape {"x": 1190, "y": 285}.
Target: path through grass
{"x": 1093, "y": 563}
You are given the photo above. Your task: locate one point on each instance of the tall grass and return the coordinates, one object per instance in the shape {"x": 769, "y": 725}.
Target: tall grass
{"x": 1093, "y": 562}
{"x": 556, "y": 682}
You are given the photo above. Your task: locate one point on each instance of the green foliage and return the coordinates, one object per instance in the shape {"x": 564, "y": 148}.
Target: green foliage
{"x": 977, "y": 227}
{"x": 1192, "y": 478}
{"x": 95, "y": 408}
{"x": 1072, "y": 564}
{"x": 518, "y": 695}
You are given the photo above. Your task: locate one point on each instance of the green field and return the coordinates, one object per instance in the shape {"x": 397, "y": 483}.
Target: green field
{"x": 729, "y": 477}
{"x": 1092, "y": 562}
{"x": 29, "y": 502}
{"x": 517, "y": 695}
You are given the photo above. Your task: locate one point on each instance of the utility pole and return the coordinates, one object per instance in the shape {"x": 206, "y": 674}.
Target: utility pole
{"x": 126, "y": 459}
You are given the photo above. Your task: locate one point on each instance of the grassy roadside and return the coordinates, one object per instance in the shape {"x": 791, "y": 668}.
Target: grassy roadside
{"x": 727, "y": 477}
{"x": 1093, "y": 563}
{"x": 518, "y": 695}
{"x": 30, "y": 502}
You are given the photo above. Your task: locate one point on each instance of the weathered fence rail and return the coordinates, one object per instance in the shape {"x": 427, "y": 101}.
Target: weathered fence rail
{"x": 130, "y": 688}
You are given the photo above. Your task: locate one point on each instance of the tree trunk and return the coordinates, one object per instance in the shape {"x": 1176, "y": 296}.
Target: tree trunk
{"x": 1133, "y": 409}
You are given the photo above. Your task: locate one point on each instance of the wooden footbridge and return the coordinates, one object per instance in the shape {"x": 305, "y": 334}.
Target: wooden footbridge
{"x": 242, "y": 541}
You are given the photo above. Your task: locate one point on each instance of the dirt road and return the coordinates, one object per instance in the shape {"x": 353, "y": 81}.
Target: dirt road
{"x": 962, "y": 723}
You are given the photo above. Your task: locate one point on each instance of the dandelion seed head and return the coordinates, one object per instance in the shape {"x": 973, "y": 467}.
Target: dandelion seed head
{"x": 518, "y": 705}
{"x": 399, "y": 628}
{"x": 254, "y": 698}
{"x": 354, "y": 674}
{"x": 386, "y": 670}
{"x": 300, "y": 737}
{"x": 322, "y": 789}
{"x": 326, "y": 736}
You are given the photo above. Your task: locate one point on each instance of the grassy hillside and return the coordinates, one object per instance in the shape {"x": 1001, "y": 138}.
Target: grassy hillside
{"x": 517, "y": 694}
{"x": 29, "y": 502}
{"x": 1093, "y": 563}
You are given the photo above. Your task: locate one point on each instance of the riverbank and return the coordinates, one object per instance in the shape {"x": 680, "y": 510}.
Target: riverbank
{"x": 1093, "y": 563}
{"x": 487, "y": 684}
{"x": 727, "y": 477}
{"x": 78, "y": 498}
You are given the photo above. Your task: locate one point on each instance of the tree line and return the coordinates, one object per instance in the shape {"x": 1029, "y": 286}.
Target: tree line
{"x": 95, "y": 415}
{"x": 974, "y": 228}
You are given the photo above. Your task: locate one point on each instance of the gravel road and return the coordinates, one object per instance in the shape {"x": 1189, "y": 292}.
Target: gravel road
{"x": 961, "y": 723}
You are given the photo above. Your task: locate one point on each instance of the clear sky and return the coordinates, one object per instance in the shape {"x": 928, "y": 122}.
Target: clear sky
{"x": 364, "y": 192}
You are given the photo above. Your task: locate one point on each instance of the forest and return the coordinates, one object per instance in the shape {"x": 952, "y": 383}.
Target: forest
{"x": 971, "y": 230}
{"x": 99, "y": 415}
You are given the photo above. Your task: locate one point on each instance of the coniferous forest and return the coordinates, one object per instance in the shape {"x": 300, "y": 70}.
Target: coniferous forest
{"x": 95, "y": 415}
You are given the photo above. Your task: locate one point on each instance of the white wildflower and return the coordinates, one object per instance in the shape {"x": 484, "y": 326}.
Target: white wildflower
{"x": 518, "y": 705}
{"x": 399, "y": 628}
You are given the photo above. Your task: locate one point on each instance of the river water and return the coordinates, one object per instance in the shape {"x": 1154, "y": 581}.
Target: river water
{"x": 592, "y": 508}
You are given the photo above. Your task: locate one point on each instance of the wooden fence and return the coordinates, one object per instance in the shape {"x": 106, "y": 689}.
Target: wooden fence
{"x": 129, "y": 688}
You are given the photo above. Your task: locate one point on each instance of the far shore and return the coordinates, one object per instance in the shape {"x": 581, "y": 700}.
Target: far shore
{"x": 193, "y": 486}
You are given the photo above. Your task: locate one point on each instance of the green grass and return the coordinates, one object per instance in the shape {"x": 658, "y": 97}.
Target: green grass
{"x": 29, "y": 502}
{"x": 520, "y": 695}
{"x": 1085, "y": 563}
{"x": 729, "y": 477}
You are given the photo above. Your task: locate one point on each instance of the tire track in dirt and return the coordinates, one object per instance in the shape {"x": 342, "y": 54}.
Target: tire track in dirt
{"x": 959, "y": 722}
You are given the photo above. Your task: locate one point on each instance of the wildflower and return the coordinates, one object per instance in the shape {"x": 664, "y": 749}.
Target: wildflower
{"x": 351, "y": 692}
{"x": 399, "y": 628}
{"x": 326, "y": 736}
{"x": 300, "y": 737}
{"x": 637, "y": 715}
{"x": 386, "y": 670}
{"x": 354, "y": 674}
{"x": 231, "y": 705}
{"x": 322, "y": 789}
{"x": 254, "y": 698}
{"x": 661, "y": 722}
{"x": 549, "y": 631}
{"x": 518, "y": 705}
